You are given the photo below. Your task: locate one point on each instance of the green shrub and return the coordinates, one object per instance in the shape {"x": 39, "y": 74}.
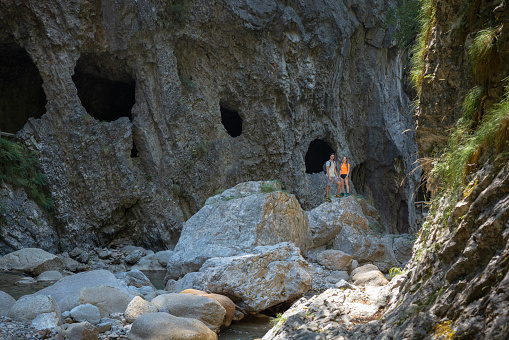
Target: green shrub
{"x": 19, "y": 167}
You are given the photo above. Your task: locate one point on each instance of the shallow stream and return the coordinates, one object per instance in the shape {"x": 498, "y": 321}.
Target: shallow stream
{"x": 250, "y": 328}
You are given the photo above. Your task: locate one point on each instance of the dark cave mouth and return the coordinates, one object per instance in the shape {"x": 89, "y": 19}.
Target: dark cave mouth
{"x": 21, "y": 93}
{"x": 318, "y": 153}
{"x": 107, "y": 93}
{"x": 231, "y": 121}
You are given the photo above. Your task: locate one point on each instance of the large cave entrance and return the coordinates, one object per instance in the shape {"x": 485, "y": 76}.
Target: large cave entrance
{"x": 232, "y": 121}
{"x": 21, "y": 93}
{"x": 105, "y": 89}
{"x": 318, "y": 153}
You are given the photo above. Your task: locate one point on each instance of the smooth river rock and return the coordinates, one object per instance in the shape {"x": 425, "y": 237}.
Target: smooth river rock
{"x": 28, "y": 307}
{"x": 202, "y": 308}
{"x": 6, "y": 303}
{"x": 164, "y": 326}
{"x": 67, "y": 291}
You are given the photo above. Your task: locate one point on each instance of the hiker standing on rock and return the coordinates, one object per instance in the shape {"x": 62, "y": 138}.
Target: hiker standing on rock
{"x": 332, "y": 176}
{"x": 345, "y": 171}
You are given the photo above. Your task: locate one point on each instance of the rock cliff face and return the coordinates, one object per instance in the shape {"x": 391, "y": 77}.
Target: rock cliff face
{"x": 153, "y": 105}
{"x": 447, "y": 71}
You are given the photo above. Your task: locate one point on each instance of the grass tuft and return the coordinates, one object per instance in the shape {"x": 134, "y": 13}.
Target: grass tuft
{"x": 426, "y": 19}
{"x": 20, "y": 168}
{"x": 482, "y": 54}
{"x": 466, "y": 149}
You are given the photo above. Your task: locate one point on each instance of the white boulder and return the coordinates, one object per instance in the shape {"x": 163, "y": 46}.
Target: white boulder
{"x": 236, "y": 226}
{"x": 137, "y": 307}
{"x": 258, "y": 280}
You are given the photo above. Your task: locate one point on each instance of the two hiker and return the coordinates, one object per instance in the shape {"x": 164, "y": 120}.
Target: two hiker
{"x": 332, "y": 176}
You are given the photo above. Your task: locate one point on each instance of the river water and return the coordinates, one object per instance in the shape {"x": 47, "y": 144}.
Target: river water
{"x": 249, "y": 328}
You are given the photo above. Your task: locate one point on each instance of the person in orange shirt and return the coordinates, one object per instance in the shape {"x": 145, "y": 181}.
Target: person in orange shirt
{"x": 345, "y": 171}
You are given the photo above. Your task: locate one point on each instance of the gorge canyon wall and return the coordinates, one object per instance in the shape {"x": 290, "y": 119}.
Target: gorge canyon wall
{"x": 150, "y": 106}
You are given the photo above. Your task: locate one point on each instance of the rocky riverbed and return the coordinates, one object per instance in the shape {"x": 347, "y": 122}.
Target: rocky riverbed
{"x": 267, "y": 255}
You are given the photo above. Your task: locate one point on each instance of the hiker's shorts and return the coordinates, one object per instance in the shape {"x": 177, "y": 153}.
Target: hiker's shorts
{"x": 333, "y": 180}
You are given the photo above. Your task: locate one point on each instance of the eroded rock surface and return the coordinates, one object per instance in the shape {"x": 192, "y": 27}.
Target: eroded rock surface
{"x": 289, "y": 73}
{"x": 257, "y": 280}
{"x": 237, "y": 226}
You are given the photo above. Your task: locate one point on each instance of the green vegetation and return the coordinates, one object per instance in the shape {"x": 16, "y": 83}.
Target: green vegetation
{"x": 278, "y": 321}
{"x": 267, "y": 187}
{"x": 482, "y": 53}
{"x": 466, "y": 148}
{"x": 19, "y": 167}
{"x": 219, "y": 191}
{"x": 426, "y": 18}
{"x": 403, "y": 18}
{"x": 394, "y": 271}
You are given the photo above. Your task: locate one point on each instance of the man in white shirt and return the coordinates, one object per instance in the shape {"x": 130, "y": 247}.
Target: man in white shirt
{"x": 332, "y": 176}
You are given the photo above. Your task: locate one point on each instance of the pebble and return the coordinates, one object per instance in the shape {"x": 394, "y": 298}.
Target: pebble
{"x": 10, "y": 329}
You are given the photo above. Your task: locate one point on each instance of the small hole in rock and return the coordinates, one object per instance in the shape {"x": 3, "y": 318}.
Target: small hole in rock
{"x": 232, "y": 121}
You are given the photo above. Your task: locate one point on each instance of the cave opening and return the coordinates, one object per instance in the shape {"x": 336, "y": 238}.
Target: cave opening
{"x": 232, "y": 121}
{"x": 21, "y": 92}
{"x": 318, "y": 153}
{"x": 106, "y": 91}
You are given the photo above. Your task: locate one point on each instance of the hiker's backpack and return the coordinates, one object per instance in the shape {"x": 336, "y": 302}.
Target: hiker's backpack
{"x": 325, "y": 167}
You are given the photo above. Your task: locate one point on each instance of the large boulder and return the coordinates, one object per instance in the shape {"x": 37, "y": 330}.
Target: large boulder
{"x": 225, "y": 301}
{"x": 33, "y": 261}
{"x": 402, "y": 247}
{"x": 137, "y": 307}
{"x": 368, "y": 275}
{"x": 366, "y": 245}
{"x": 81, "y": 331}
{"x": 108, "y": 299}
{"x": 164, "y": 326}
{"x": 258, "y": 280}
{"x": 134, "y": 278}
{"x": 6, "y": 303}
{"x": 334, "y": 260}
{"x": 29, "y": 306}
{"x": 67, "y": 291}
{"x": 327, "y": 220}
{"x": 235, "y": 226}
{"x": 205, "y": 309}
{"x": 86, "y": 312}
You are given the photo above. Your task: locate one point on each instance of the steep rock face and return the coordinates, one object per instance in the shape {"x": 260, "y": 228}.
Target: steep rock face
{"x": 448, "y": 71}
{"x": 28, "y": 225}
{"x": 277, "y": 75}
